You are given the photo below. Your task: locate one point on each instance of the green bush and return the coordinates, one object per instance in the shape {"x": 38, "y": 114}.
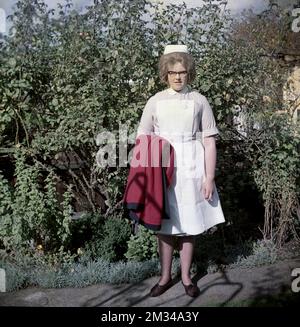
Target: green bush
{"x": 83, "y": 229}
{"x": 110, "y": 241}
{"x": 61, "y": 270}
{"x": 142, "y": 246}
{"x": 31, "y": 212}
{"x": 64, "y": 79}
{"x": 263, "y": 252}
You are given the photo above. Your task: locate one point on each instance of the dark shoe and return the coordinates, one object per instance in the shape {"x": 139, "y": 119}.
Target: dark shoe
{"x": 158, "y": 290}
{"x": 191, "y": 290}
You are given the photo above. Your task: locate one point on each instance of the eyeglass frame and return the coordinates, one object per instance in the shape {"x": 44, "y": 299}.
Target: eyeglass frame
{"x": 173, "y": 74}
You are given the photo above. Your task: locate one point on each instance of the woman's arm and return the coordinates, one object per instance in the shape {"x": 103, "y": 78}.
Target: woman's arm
{"x": 210, "y": 155}
{"x": 146, "y": 122}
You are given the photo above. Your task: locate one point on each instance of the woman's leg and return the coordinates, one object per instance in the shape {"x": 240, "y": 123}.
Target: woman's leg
{"x": 186, "y": 250}
{"x": 165, "y": 248}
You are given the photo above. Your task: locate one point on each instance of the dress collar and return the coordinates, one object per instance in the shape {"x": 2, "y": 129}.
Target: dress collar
{"x": 183, "y": 91}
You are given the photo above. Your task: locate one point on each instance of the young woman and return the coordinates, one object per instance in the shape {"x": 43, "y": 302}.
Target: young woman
{"x": 184, "y": 118}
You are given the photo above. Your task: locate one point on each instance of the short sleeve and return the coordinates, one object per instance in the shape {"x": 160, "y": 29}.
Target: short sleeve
{"x": 208, "y": 124}
{"x": 146, "y": 122}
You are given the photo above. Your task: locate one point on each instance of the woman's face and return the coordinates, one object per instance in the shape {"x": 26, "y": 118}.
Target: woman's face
{"x": 177, "y": 76}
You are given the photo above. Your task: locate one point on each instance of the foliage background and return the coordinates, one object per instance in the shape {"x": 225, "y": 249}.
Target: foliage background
{"x": 66, "y": 77}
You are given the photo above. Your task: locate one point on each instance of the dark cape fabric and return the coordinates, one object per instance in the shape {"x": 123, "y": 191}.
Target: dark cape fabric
{"x": 150, "y": 175}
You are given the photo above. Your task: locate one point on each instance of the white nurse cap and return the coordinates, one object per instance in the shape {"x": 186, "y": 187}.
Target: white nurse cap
{"x": 175, "y": 48}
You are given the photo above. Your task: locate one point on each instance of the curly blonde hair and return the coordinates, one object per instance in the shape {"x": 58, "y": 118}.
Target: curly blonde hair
{"x": 171, "y": 59}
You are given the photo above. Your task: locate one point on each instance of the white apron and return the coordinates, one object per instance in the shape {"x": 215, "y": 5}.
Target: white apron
{"x": 190, "y": 213}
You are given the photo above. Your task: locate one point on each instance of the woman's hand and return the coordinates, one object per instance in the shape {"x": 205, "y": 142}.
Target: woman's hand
{"x": 210, "y": 164}
{"x": 208, "y": 189}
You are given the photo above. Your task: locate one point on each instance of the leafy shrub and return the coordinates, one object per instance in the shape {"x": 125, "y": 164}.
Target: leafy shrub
{"x": 264, "y": 252}
{"x": 277, "y": 176}
{"x": 51, "y": 104}
{"x": 5, "y": 212}
{"x": 212, "y": 254}
{"x": 83, "y": 229}
{"x": 31, "y": 212}
{"x": 63, "y": 271}
{"x": 110, "y": 241}
{"x": 142, "y": 246}
{"x": 16, "y": 278}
